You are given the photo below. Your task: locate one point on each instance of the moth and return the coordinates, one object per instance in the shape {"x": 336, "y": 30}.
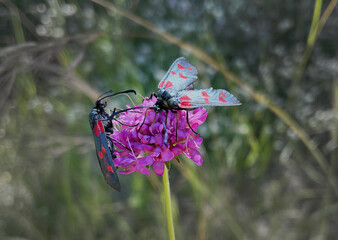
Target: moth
{"x": 176, "y": 91}
{"x": 101, "y": 124}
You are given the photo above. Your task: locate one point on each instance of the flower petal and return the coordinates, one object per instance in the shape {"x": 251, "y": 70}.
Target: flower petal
{"x": 196, "y": 157}
{"x": 144, "y": 147}
{"x": 167, "y": 156}
{"x": 144, "y": 171}
{"x": 147, "y": 160}
{"x": 158, "y": 168}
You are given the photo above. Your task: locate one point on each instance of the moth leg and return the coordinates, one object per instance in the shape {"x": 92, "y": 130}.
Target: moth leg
{"x": 152, "y": 95}
{"x": 154, "y": 119}
{"x": 176, "y": 125}
{"x": 124, "y": 123}
{"x": 111, "y": 147}
{"x": 166, "y": 117}
{"x": 189, "y": 123}
{"x": 165, "y": 131}
{"x": 145, "y": 116}
{"x": 112, "y": 139}
{"x": 108, "y": 124}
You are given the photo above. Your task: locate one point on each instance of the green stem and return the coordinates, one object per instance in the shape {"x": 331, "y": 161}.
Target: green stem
{"x": 167, "y": 200}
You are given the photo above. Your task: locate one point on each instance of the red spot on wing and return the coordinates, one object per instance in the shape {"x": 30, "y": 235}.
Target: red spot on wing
{"x": 180, "y": 66}
{"x": 206, "y": 100}
{"x": 172, "y": 72}
{"x": 168, "y": 85}
{"x": 185, "y": 98}
{"x": 185, "y": 104}
{"x": 223, "y": 94}
{"x": 190, "y": 69}
{"x": 100, "y": 155}
{"x": 100, "y": 126}
{"x": 204, "y": 94}
{"x": 161, "y": 84}
{"x": 182, "y": 76}
{"x": 190, "y": 87}
{"x": 110, "y": 169}
{"x": 96, "y": 130}
{"x": 222, "y": 99}
{"x": 103, "y": 149}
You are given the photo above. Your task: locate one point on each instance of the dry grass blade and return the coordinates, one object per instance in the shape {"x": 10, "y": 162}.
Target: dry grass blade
{"x": 258, "y": 97}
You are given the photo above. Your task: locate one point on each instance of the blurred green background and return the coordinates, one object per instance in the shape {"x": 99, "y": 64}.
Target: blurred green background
{"x": 270, "y": 165}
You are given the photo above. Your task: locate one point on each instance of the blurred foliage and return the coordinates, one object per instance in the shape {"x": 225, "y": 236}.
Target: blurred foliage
{"x": 258, "y": 180}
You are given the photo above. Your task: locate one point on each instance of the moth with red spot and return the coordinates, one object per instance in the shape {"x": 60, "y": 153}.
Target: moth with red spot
{"x": 101, "y": 124}
{"x": 176, "y": 91}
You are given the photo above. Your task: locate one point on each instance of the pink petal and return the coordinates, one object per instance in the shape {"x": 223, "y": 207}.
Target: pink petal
{"x": 196, "y": 157}
{"x": 167, "y": 156}
{"x": 177, "y": 150}
{"x": 127, "y": 170}
{"x": 199, "y": 141}
{"x": 158, "y": 168}
{"x": 147, "y": 160}
{"x": 124, "y": 161}
{"x": 144, "y": 171}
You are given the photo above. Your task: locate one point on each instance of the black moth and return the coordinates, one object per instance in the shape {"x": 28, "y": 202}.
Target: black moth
{"x": 101, "y": 125}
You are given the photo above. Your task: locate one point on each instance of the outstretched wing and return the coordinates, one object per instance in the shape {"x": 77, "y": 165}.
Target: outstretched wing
{"x": 205, "y": 98}
{"x": 105, "y": 155}
{"x": 180, "y": 75}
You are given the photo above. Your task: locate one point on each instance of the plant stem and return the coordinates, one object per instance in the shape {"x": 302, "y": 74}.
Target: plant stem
{"x": 167, "y": 200}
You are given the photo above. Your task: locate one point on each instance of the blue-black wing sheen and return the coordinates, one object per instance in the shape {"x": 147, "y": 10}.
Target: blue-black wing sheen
{"x": 205, "y": 98}
{"x": 180, "y": 76}
{"x": 105, "y": 153}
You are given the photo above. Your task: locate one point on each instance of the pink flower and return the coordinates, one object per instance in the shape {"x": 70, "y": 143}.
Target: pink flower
{"x": 141, "y": 148}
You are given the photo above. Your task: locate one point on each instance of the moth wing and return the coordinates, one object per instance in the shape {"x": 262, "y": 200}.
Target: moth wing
{"x": 205, "y": 98}
{"x": 180, "y": 75}
{"x": 104, "y": 152}
{"x": 190, "y": 87}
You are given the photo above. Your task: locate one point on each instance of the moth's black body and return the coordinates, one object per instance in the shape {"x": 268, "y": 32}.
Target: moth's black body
{"x": 101, "y": 124}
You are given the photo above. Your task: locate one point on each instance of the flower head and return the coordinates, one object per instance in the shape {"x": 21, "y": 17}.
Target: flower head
{"x": 143, "y": 145}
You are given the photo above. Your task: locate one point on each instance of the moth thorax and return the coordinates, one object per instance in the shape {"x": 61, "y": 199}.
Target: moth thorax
{"x": 166, "y": 95}
{"x": 172, "y": 103}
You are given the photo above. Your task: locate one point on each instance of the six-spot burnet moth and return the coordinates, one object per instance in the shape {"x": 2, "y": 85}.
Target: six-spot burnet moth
{"x": 176, "y": 92}
{"x": 101, "y": 124}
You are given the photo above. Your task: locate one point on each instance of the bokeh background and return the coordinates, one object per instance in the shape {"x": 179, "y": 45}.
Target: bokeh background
{"x": 270, "y": 165}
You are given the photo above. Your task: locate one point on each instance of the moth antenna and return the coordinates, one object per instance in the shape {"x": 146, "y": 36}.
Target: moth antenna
{"x": 131, "y": 111}
{"x": 123, "y": 124}
{"x": 115, "y": 94}
{"x": 109, "y": 91}
{"x": 118, "y": 112}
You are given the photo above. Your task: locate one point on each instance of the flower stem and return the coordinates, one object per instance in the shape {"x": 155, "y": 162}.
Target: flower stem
{"x": 167, "y": 200}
